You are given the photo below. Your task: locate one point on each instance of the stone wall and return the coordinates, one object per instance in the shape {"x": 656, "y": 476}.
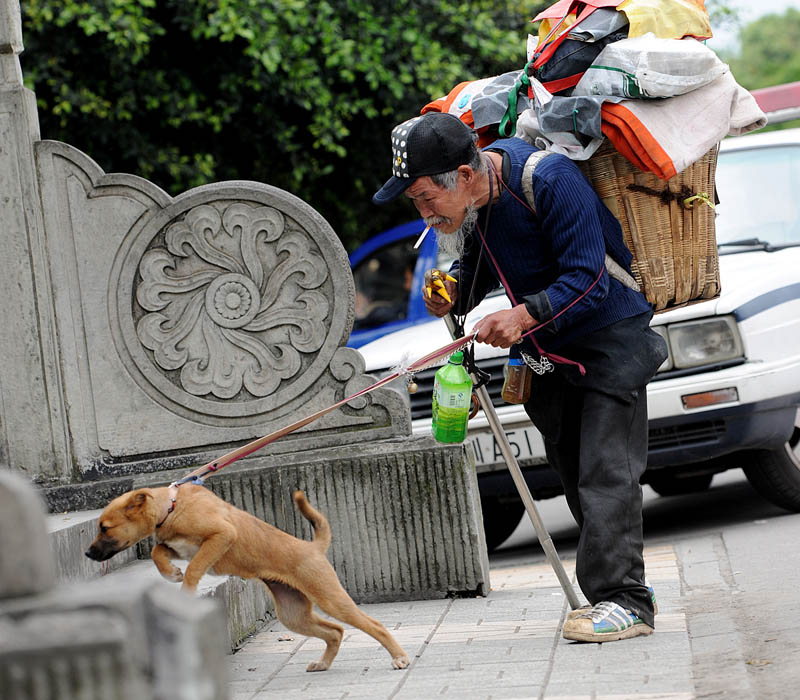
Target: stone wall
{"x": 405, "y": 514}
{"x": 189, "y": 324}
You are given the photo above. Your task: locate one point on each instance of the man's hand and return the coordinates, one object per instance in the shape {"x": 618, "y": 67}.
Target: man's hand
{"x": 435, "y": 283}
{"x": 504, "y": 328}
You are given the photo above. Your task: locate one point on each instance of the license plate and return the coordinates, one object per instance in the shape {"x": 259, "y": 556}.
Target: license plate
{"x": 526, "y": 443}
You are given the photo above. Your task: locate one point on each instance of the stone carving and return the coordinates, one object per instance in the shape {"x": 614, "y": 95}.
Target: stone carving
{"x": 233, "y": 300}
{"x": 187, "y": 324}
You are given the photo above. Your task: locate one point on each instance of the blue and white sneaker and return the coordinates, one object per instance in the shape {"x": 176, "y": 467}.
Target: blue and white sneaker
{"x": 579, "y": 611}
{"x": 605, "y": 622}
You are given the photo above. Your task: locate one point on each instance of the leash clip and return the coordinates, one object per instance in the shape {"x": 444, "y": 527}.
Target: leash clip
{"x": 196, "y": 480}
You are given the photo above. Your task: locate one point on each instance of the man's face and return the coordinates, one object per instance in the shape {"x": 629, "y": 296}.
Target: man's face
{"x": 441, "y": 208}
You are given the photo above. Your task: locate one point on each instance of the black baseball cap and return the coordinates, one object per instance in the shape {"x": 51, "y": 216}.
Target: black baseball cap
{"x": 430, "y": 144}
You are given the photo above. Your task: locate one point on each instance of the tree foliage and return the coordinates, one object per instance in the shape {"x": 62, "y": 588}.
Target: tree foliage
{"x": 769, "y": 54}
{"x": 721, "y": 14}
{"x": 300, "y": 94}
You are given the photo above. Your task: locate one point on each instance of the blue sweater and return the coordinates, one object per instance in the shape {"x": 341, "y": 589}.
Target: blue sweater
{"x": 550, "y": 259}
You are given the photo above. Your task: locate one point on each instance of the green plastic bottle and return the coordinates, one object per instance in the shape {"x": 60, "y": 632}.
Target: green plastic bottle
{"x": 452, "y": 399}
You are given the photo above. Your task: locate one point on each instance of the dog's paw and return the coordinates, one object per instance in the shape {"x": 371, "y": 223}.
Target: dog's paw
{"x": 174, "y": 576}
{"x": 317, "y": 666}
{"x": 188, "y": 587}
{"x": 400, "y": 662}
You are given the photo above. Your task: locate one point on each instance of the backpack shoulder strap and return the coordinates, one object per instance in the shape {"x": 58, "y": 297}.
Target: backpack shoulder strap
{"x": 527, "y": 175}
{"x": 614, "y": 268}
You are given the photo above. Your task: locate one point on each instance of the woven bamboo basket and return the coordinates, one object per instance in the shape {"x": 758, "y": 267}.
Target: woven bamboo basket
{"x": 674, "y": 248}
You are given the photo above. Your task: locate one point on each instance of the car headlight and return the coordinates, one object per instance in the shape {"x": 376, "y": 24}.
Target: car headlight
{"x": 666, "y": 364}
{"x": 704, "y": 342}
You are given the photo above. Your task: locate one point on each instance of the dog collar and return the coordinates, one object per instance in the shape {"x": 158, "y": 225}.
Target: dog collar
{"x": 173, "y": 494}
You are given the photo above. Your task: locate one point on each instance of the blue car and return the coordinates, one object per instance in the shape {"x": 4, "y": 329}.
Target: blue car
{"x": 385, "y": 270}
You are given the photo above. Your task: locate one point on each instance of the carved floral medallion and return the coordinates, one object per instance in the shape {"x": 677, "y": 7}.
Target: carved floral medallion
{"x": 231, "y": 301}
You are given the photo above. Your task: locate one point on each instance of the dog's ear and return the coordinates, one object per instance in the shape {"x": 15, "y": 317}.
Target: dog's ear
{"x": 137, "y": 500}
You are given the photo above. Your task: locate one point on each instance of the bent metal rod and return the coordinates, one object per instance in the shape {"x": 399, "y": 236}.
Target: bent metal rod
{"x": 522, "y": 487}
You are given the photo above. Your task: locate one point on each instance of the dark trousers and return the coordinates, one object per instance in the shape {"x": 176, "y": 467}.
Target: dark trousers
{"x": 598, "y": 445}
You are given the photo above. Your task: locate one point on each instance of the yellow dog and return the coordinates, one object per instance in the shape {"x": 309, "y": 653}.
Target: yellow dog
{"x": 193, "y": 524}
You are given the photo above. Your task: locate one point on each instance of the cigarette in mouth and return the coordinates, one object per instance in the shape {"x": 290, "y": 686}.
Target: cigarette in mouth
{"x": 421, "y": 237}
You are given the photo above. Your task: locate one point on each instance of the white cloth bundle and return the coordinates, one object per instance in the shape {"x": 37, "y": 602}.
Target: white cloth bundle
{"x": 647, "y": 66}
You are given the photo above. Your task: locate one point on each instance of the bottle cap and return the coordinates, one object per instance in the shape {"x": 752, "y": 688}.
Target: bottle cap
{"x": 516, "y": 361}
{"x": 457, "y": 357}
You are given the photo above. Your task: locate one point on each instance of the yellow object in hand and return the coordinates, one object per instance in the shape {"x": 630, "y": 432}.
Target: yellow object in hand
{"x": 434, "y": 282}
{"x": 441, "y": 290}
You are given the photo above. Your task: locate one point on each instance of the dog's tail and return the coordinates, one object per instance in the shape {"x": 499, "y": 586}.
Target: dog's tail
{"x": 322, "y": 530}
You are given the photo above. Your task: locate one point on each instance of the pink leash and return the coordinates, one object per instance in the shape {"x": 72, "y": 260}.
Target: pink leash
{"x": 431, "y": 358}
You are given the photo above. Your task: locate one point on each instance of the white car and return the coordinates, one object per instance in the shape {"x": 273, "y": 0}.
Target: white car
{"x": 728, "y": 394}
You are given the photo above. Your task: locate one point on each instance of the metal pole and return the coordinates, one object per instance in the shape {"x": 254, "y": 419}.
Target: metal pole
{"x": 522, "y": 487}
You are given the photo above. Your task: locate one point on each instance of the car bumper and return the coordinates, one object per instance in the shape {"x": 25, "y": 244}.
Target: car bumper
{"x": 762, "y": 417}
{"x": 689, "y": 439}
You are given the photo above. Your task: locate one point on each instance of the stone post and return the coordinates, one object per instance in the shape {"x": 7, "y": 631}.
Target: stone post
{"x": 26, "y": 565}
{"x": 100, "y": 639}
{"x": 33, "y": 435}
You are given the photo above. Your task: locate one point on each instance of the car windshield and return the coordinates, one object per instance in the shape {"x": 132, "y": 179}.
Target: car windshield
{"x": 757, "y": 190}
{"x": 383, "y": 283}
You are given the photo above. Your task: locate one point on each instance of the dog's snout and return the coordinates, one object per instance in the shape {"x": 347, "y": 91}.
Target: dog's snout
{"x": 101, "y": 551}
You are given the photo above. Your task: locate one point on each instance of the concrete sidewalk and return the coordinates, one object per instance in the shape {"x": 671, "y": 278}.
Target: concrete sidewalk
{"x": 506, "y": 645}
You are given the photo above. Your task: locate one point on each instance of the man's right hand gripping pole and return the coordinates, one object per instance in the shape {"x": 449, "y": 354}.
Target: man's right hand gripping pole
{"x": 439, "y": 292}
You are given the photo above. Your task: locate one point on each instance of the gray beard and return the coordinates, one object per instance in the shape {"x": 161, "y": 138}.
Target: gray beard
{"x": 452, "y": 244}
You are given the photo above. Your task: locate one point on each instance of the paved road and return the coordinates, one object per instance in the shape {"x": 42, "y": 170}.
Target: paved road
{"x": 724, "y": 565}
{"x": 729, "y": 501}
